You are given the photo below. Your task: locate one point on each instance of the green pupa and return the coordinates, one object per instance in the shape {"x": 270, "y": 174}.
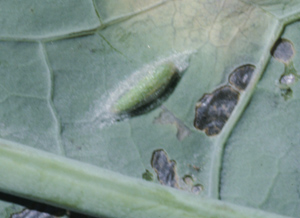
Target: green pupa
{"x": 146, "y": 89}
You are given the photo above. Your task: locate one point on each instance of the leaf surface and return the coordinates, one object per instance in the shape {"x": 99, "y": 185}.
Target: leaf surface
{"x": 63, "y": 66}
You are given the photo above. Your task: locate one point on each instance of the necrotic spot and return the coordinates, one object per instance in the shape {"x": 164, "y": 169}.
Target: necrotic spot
{"x": 164, "y": 168}
{"x": 283, "y": 51}
{"x": 213, "y": 110}
{"x": 241, "y": 76}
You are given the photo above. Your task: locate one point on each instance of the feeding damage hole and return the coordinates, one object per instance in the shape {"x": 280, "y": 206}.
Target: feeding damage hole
{"x": 166, "y": 117}
{"x": 287, "y": 79}
{"x": 188, "y": 180}
{"x": 283, "y": 51}
{"x": 194, "y": 188}
{"x": 167, "y": 175}
{"x": 164, "y": 168}
{"x": 197, "y": 189}
{"x": 241, "y": 76}
{"x": 213, "y": 110}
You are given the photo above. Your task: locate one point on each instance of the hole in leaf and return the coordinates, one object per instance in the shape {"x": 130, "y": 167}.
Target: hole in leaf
{"x": 287, "y": 79}
{"x": 188, "y": 180}
{"x": 164, "y": 168}
{"x": 241, "y": 76}
{"x": 283, "y": 51}
{"x": 213, "y": 110}
{"x": 197, "y": 189}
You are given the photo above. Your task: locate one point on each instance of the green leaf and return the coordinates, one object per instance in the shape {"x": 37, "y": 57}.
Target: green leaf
{"x": 265, "y": 145}
{"x": 31, "y": 20}
{"x": 97, "y": 191}
{"x": 63, "y": 65}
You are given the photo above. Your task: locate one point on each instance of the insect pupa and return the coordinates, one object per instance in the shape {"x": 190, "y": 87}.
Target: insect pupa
{"x": 147, "y": 89}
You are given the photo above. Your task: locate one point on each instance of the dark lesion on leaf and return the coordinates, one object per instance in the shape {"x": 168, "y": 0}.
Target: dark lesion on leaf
{"x": 241, "y": 77}
{"x": 164, "y": 168}
{"x": 213, "y": 110}
{"x": 283, "y": 50}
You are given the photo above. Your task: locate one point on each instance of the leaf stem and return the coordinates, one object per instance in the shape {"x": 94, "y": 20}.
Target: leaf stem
{"x": 63, "y": 182}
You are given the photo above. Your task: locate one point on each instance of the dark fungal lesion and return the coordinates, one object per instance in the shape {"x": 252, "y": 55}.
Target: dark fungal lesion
{"x": 164, "y": 168}
{"x": 213, "y": 110}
